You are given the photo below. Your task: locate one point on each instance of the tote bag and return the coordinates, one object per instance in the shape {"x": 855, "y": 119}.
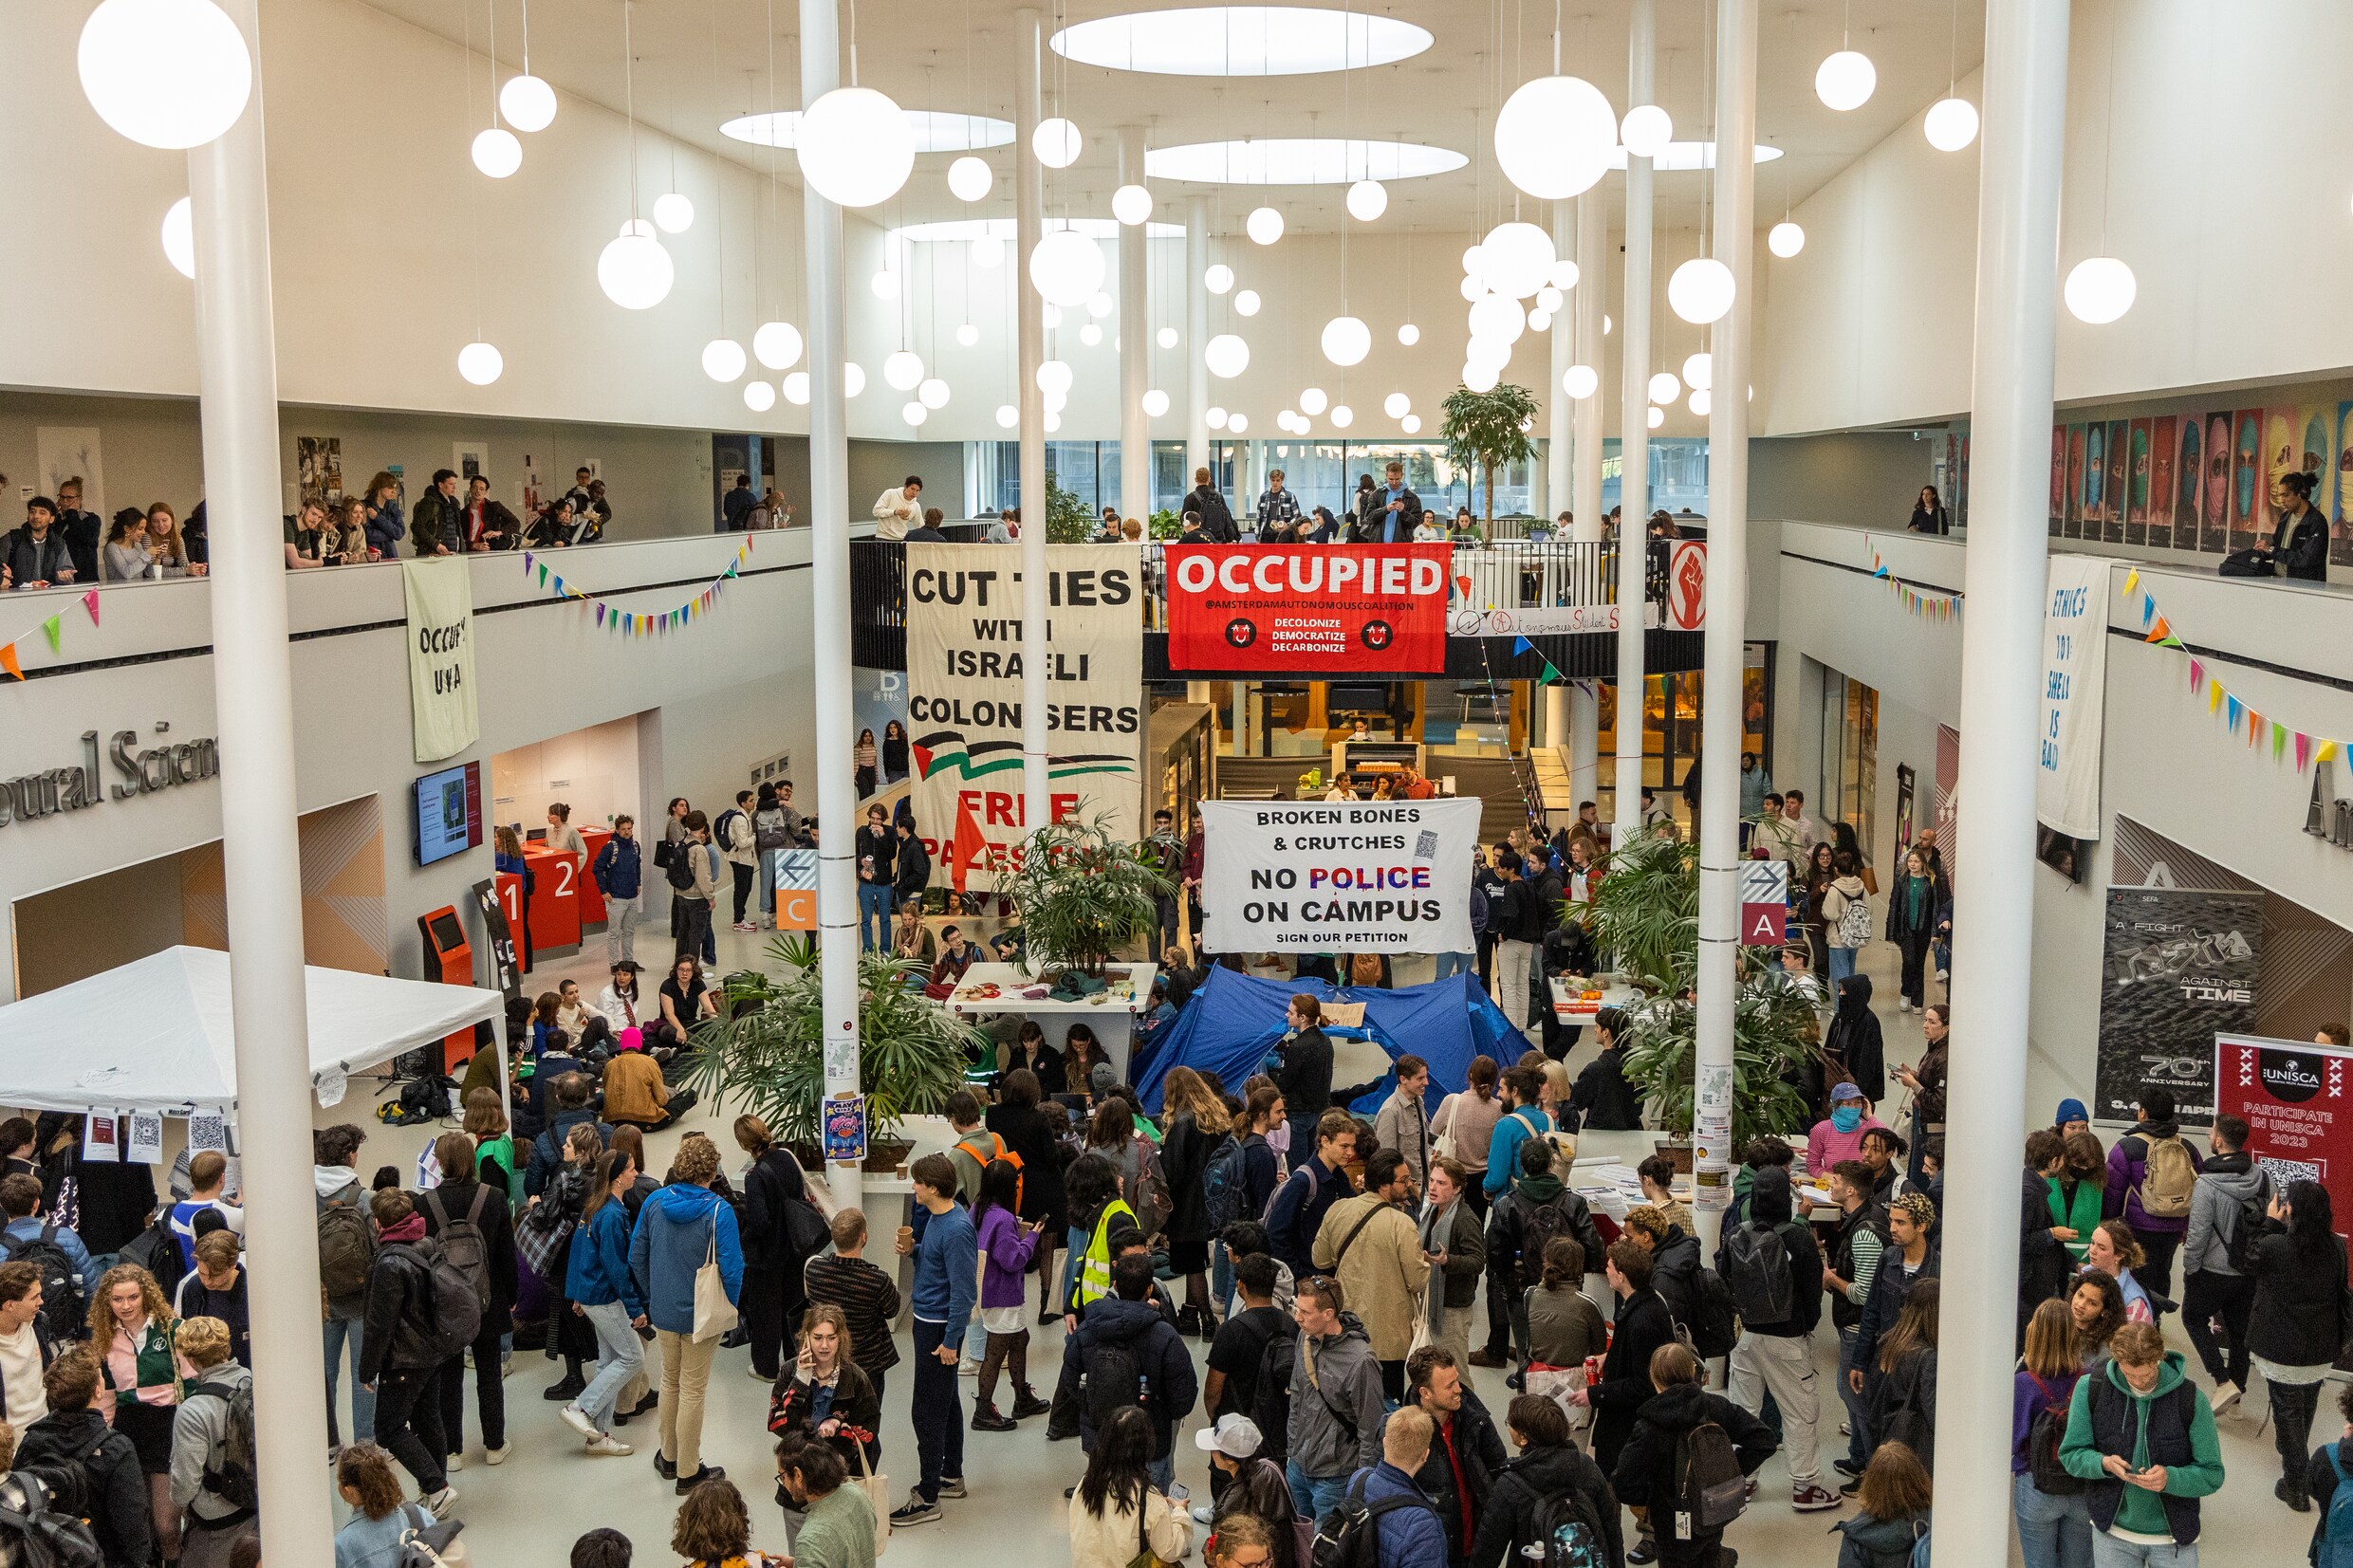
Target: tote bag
{"x": 713, "y": 1313}
{"x": 877, "y": 1490}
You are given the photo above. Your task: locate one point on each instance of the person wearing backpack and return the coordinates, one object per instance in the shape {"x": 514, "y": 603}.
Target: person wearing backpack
{"x": 738, "y": 847}
{"x": 1294, "y": 1217}
{"x": 1385, "y": 1520}
{"x": 216, "y": 1288}
{"x": 1856, "y": 1238}
{"x": 1773, "y": 1270}
{"x": 2152, "y": 1187}
{"x": 1336, "y": 1406}
{"x": 1124, "y": 1354}
{"x": 471, "y": 1222}
{"x": 1538, "y": 1208}
{"x": 1642, "y": 1324}
{"x": 1198, "y": 1150}
{"x": 2143, "y": 1438}
{"x": 140, "y": 1384}
{"x": 68, "y": 1273}
{"x": 1371, "y": 1246}
{"x": 2299, "y": 1323}
{"x": 2329, "y": 1478}
{"x": 402, "y": 1346}
{"x": 1845, "y": 915}
{"x": 27, "y": 1347}
{"x": 346, "y": 1249}
{"x": 76, "y": 1438}
{"x": 1551, "y": 1497}
{"x": 2054, "y": 1520}
{"x": 571, "y": 1093}
{"x": 214, "y": 1480}
{"x": 1892, "y": 1524}
{"x": 1683, "y": 1465}
{"x": 2227, "y": 1210}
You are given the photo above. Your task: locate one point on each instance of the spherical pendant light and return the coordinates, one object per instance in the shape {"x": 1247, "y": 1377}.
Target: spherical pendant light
{"x": 180, "y": 238}
{"x": 1100, "y": 305}
{"x": 1131, "y": 205}
{"x": 1540, "y": 319}
{"x": 1701, "y": 402}
{"x": 1409, "y": 335}
{"x": 1846, "y": 80}
{"x": 673, "y": 212}
{"x": 1700, "y": 290}
{"x": 1664, "y": 388}
{"x": 1065, "y": 267}
{"x": 1289, "y": 420}
{"x": 967, "y": 335}
{"x": 759, "y": 397}
{"x": 480, "y": 363}
{"x": 902, "y": 370}
{"x": 1581, "y": 381}
{"x": 1155, "y": 404}
{"x": 1498, "y": 319}
{"x": 1480, "y": 376}
{"x": 2100, "y": 289}
{"x": 1057, "y": 142}
{"x": 888, "y": 285}
{"x": 1550, "y": 299}
{"x": 797, "y": 388}
{"x": 1950, "y": 125}
{"x": 1343, "y": 416}
{"x": 1658, "y": 417}
{"x": 1051, "y": 315}
{"x": 1007, "y": 417}
{"x": 497, "y": 153}
{"x": 1488, "y": 352}
{"x": 168, "y": 74}
{"x": 1312, "y": 402}
{"x": 1053, "y": 423}
{"x": 1054, "y": 378}
{"x": 1646, "y": 130}
{"x": 932, "y": 392}
{"x": 1214, "y": 416}
{"x": 1264, "y": 225}
{"x": 853, "y": 379}
{"x": 636, "y": 229}
{"x": 529, "y": 103}
{"x": 1166, "y": 337}
{"x": 1785, "y": 240}
{"x": 1516, "y": 259}
{"x": 1227, "y": 356}
{"x": 1564, "y": 275}
{"x": 1246, "y": 302}
{"x": 636, "y": 273}
{"x": 1238, "y": 423}
{"x": 1474, "y": 288}
{"x": 1699, "y": 371}
{"x": 856, "y": 148}
{"x": 913, "y": 412}
{"x": 969, "y": 178}
{"x": 1397, "y": 405}
{"x": 1367, "y": 201}
{"x": 1090, "y": 336}
{"x": 723, "y": 359}
{"x": 1554, "y": 135}
{"x": 1218, "y": 278}
{"x": 987, "y": 251}
{"x": 777, "y": 344}
{"x": 1410, "y": 424}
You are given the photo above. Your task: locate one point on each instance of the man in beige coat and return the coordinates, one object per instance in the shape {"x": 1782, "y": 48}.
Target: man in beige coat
{"x": 1372, "y": 1245}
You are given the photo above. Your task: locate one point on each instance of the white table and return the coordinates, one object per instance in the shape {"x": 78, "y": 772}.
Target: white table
{"x": 1570, "y": 1007}
{"x": 1111, "y": 1013}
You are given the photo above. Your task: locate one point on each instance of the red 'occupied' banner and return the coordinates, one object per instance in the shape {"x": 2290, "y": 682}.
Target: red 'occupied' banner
{"x": 1314, "y": 609}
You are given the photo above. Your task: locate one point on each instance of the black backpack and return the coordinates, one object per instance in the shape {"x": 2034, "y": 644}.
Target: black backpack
{"x": 231, "y": 1476}
{"x": 2044, "y": 1432}
{"x": 156, "y": 1250}
{"x": 1223, "y": 1180}
{"x": 1570, "y": 1537}
{"x": 63, "y": 1310}
{"x": 1710, "y": 1489}
{"x": 1539, "y": 1224}
{"x": 44, "y": 1534}
{"x": 1350, "y": 1536}
{"x": 681, "y": 869}
{"x": 1111, "y": 1380}
{"x": 1756, "y": 1272}
{"x": 1715, "y": 1323}
{"x": 2247, "y": 1226}
{"x": 1271, "y": 1402}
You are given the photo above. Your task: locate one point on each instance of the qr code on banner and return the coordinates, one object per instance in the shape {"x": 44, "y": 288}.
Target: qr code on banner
{"x": 1426, "y": 845}
{"x": 2284, "y": 1171}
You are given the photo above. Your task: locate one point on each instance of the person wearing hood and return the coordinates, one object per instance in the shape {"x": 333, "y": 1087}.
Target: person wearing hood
{"x": 1603, "y": 1099}
{"x": 1127, "y": 1324}
{"x": 1828, "y": 1143}
{"x": 1537, "y": 1208}
{"x": 1641, "y": 1326}
{"x": 680, "y": 1226}
{"x": 335, "y": 1175}
{"x": 1855, "y": 1042}
{"x": 1372, "y": 1245}
{"x": 1550, "y": 1468}
{"x": 2139, "y": 1433}
{"x": 1458, "y": 1475}
{"x": 2297, "y": 1323}
{"x": 2130, "y": 1199}
{"x": 73, "y": 1436}
{"x": 2230, "y": 1191}
{"x": 1646, "y": 1476}
{"x": 398, "y": 1358}
{"x": 1336, "y": 1402}
{"x": 1775, "y": 1356}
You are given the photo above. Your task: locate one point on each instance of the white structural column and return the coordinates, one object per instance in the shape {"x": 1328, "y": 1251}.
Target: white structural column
{"x": 1724, "y": 655}
{"x": 1584, "y": 501}
{"x": 830, "y": 596}
{"x": 1196, "y": 337}
{"x": 1633, "y": 431}
{"x": 1134, "y": 343}
{"x": 1029, "y": 221}
{"x": 237, "y": 381}
{"x": 1560, "y": 412}
{"x": 2004, "y": 580}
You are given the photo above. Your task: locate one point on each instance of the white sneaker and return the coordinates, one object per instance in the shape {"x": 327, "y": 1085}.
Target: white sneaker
{"x": 607, "y": 1443}
{"x": 498, "y": 1455}
{"x": 576, "y": 1418}
{"x": 968, "y": 1368}
{"x": 440, "y": 1503}
{"x": 1204, "y": 1514}
{"x": 455, "y": 1463}
{"x": 1903, "y": 1004}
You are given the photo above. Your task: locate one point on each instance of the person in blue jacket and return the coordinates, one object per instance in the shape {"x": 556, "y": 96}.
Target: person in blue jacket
{"x": 620, "y": 872}
{"x": 1523, "y": 1118}
{"x": 946, "y": 1288}
{"x": 678, "y": 1231}
{"x": 1407, "y": 1529}
{"x": 600, "y": 1286}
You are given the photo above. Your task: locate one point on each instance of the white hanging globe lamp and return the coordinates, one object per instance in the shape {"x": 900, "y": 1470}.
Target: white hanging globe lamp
{"x": 497, "y": 153}
{"x": 1846, "y": 80}
{"x": 1132, "y": 205}
{"x": 168, "y": 74}
{"x": 1264, "y": 225}
{"x": 529, "y": 103}
{"x": 1065, "y": 267}
{"x": 1785, "y": 240}
{"x": 1226, "y": 355}
{"x": 635, "y": 271}
{"x": 1057, "y": 142}
{"x": 674, "y": 213}
{"x": 1554, "y": 137}
{"x": 1700, "y": 290}
{"x": 480, "y": 363}
{"x": 856, "y": 147}
{"x": 1950, "y": 124}
{"x": 777, "y": 344}
{"x": 1646, "y": 130}
{"x": 723, "y": 359}
{"x": 969, "y": 178}
{"x": 2100, "y": 290}
{"x": 1367, "y": 201}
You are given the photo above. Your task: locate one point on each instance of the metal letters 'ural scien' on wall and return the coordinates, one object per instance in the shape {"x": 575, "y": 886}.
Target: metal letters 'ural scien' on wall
{"x": 140, "y": 770}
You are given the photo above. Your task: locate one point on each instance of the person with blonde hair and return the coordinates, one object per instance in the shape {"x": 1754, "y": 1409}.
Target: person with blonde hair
{"x": 138, "y": 1382}
{"x": 1646, "y": 1475}
{"x": 1241, "y": 1541}
{"x": 680, "y": 1226}
{"x": 823, "y": 1394}
{"x": 213, "y": 1479}
{"x": 2142, "y": 1435}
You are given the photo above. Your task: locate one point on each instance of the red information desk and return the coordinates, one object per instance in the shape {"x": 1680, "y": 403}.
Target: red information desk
{"x": 555, "y": 897}
{"x": 518, "y": 921}
{"x": 591, "y": 900}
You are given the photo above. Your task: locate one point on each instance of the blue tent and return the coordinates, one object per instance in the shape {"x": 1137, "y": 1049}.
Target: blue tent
{"x": 1233, "y": 1021}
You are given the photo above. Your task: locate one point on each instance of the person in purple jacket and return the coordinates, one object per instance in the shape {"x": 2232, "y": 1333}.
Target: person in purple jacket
{"x": 2149, "y": 1189}
{"x": 2054, "y": 1528}
{"x": 1005, "y": 1248}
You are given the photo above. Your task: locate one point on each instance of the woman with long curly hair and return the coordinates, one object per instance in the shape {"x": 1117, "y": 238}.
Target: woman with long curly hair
{"x": 139, "y": 1385}
{"x": 2095, "y": 1305}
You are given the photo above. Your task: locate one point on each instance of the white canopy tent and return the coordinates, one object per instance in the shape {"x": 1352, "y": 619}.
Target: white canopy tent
{"x": 156, "y": 1034}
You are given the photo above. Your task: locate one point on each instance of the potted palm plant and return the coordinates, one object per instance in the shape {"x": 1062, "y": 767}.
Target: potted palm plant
{"x": 1490, "y": 429}
{"x": 1082, "y": 895}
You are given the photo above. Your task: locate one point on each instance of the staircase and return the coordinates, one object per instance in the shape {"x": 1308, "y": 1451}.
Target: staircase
{"x": 1491, "y": 779}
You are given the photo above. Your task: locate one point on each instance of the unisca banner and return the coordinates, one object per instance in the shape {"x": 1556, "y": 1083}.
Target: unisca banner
{"x": 1308, "y": 609}
{"x": 964, "y": 670}
{"x": 2297, "y": 1100}
{"x": 1338, "y": 877}
{"x": 2180, "y": 967}
{"x": 441, "y": 701}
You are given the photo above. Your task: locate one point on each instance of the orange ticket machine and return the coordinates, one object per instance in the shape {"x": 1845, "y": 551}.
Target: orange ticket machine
{"x": 449, "y": 958}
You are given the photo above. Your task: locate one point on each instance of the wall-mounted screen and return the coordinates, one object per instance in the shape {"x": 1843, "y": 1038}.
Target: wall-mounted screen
{"x": 448, "y": 813}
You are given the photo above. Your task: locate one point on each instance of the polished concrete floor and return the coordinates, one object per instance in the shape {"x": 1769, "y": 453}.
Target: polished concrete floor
{"x": 526, "y": 1512}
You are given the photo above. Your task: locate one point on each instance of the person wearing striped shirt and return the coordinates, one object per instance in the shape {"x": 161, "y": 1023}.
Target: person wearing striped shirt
{"x": 867, "y": 1295}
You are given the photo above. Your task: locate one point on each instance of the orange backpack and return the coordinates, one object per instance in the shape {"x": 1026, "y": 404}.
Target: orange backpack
{"x": 996, "y": 1152}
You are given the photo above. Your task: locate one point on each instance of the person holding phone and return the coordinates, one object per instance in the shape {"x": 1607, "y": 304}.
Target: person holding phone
{"x": 825, "y": 1395}
{"x": 1008, "y": 1245}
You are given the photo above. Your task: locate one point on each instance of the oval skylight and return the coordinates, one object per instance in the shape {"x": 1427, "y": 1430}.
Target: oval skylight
{"x": 1299, "y": 160}
{"x": 935, "y": 130}
{"x": 1241, "y": 40}
{"x": 1681, "y": 156}
{"x": 1003, "y": 229}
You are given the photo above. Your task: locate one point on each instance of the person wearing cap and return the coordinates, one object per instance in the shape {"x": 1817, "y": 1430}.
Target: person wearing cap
{"x": 1911, "y": 1256}
{"x": 1841, "y": 1138}
{"x": 2072, "y": 1118}
{"x": 1243, "y": 1481}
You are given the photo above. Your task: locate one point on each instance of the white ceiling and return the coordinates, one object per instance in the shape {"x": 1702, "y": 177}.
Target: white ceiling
{"x": 702, "y": 61}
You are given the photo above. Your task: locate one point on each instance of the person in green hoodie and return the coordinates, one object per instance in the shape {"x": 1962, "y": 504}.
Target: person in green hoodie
{"x": 2143, "y": 1436}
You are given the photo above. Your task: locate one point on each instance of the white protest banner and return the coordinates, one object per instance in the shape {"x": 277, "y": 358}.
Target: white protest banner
{"x": 964, "y": 670}
{"x": 441, "y": 702}
{"x": 1542, "y": 620}
{"x": 2075, "y": 666}
{"x": 1338, "y": 875}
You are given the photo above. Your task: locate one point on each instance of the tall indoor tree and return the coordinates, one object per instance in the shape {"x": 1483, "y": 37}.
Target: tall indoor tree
{"x": 1490, "y": 429}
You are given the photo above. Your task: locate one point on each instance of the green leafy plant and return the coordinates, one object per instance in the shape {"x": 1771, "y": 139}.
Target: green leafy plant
{"x": 1164, "y": 524}
{"x": 1488, "y": 429}
{"x": 1068, "y": 520}
{"x": 768, "y": 1052}
{"x": 1645, "y": 914}
{"x": 1083, "y": 894}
